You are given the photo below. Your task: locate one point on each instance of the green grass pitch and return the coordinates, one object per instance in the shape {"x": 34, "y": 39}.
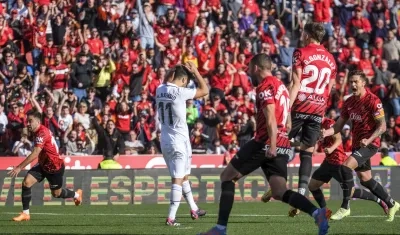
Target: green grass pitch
{"x": 246, "y": 219}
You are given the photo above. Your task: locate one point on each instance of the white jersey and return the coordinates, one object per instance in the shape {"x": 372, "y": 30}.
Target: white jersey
{"x": 171, "y": 109}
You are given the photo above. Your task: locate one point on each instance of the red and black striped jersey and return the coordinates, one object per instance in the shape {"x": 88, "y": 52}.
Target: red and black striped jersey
{"x": 318, "y": 69}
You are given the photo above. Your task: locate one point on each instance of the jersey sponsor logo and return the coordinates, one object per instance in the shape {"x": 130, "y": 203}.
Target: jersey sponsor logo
{"x": 279, "y": 150}
{"x": 266, "y": 95}
{"x": 355, "y": 117}
{"x": 316, "y": 98}
{"x": 308, "y": 117}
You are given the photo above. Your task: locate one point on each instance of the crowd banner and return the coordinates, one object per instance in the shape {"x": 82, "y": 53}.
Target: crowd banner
{"x": 152, "y": 186}
{"x": 155, "y": 161}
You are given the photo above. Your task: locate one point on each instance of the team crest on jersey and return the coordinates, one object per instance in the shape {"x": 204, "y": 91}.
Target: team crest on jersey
{"x": 302, "y": 97}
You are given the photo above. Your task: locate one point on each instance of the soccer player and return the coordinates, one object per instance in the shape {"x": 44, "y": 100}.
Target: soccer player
{"x": 270, "y": 150}
{"x": 366, "y": 114}
{"x": 330, "y": 168}
{"x": 171, "y": 100}
{"x": 49, "y": 166}
{"x": 314, "y": 72}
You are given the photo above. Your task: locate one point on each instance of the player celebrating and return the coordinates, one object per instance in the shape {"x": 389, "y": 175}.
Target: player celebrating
{"x": 330, "y": 168}
{"x": 366, "y": 114}
{"x": 314, "y": 73}
{"x": 50, "y": 166}
{"x": 171, "y": 100}
{"x": 270, "y": 149}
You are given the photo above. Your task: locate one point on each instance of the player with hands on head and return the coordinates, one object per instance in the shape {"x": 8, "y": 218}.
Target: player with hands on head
{"x": 49, "y": 166}
{"x": 269, "y": 149}
{"x": 171, "y": 97}
{"x": 365, "y": 112}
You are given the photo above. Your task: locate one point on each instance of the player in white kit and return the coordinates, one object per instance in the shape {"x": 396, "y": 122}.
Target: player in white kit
{"x": 171, "y": 100}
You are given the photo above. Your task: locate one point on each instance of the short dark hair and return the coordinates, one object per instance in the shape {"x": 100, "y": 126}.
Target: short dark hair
{"x": 358, "y": 73}
{"x": 34, "y": 113}
{"x": 315, "y": 30}
{"x": 384, "y": 151}
{"x": 262, "y": 61}
{"x": 180, "y": 72}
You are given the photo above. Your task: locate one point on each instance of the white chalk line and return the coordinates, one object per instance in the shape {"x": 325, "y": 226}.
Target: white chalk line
{"x": 180, "y": 215}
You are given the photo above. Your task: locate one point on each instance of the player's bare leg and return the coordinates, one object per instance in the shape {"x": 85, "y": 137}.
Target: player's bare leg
{"x": 368, "y": 182}
{"x": 26, "y": 196}
{"x": 195, "y": 212}
{"x": 315, "y": 188}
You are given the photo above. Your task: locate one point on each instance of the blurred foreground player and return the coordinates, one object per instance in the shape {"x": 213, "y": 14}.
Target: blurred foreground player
{"x": 270, "y": 150}
{"x": 330, "y": 168}
{"x": 49, "y": 166}
{"x": 366, "y": 114}
{"x": 314, "y": 73}
{"x": 171, "y": 100}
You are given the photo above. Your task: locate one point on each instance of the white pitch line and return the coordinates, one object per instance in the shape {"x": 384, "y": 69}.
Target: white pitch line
{"x": 234, "y": 215}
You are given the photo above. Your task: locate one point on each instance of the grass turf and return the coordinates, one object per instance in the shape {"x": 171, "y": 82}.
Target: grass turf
{"x": 246, "y": 219}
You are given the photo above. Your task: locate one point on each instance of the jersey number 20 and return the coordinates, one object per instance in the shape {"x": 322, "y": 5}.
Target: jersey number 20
{"x": 321, "y": 76}
{"x": 168, "y": 109}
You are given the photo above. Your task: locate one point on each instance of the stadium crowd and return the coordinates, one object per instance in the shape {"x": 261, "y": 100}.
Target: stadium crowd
{"x": 82, "y": 63}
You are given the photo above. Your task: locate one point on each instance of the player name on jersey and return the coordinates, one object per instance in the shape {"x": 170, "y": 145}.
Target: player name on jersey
{"x": 166, "y": 95}
{"x": 324, "y": 58}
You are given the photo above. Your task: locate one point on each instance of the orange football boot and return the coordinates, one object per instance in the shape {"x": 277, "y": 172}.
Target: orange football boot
{"x": 78, "y": 201}
{"x": 22, "y": 217}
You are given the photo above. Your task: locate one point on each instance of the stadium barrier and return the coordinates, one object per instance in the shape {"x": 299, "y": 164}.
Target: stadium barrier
{"x": 156, "y": 161}
{"x": 152, "y": 186}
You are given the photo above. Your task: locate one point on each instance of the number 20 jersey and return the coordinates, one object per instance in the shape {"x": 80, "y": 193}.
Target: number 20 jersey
{"x": 272, "y": 91}
{"x": 171, "y": 110}
{"x": 318, "y": 69}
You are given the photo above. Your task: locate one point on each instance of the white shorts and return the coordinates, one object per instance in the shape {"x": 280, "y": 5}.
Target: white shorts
{"x": 178, "y": 157}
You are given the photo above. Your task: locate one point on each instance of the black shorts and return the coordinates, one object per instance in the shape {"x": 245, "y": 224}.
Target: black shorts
{"x": 363, "y": 156}
{"x": 252, "y": 156}
{"x": 310, "y": 126}
{"x": 55, "y": 180}
{"x": 326, "y": 172}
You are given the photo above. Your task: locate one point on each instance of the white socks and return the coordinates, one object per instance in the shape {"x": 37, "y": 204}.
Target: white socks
{"x": 176, "y": 195}
{"x": 76, "y": 195}
{"x": 26, "y": 211}
{"x": 187, "y": 194}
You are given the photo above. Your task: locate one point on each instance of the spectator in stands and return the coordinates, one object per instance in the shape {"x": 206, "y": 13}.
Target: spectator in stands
{"x": 81, "y": 76}
{"x": 347, "y": 138}
{"x": 23, "y": 147}
{"x": 192, "y": 114}
{"x": 110, "y": 139}
{"x": 386, "y": 159}
{"x": 198, "y": 138}
{"x": 133, "y": 146}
